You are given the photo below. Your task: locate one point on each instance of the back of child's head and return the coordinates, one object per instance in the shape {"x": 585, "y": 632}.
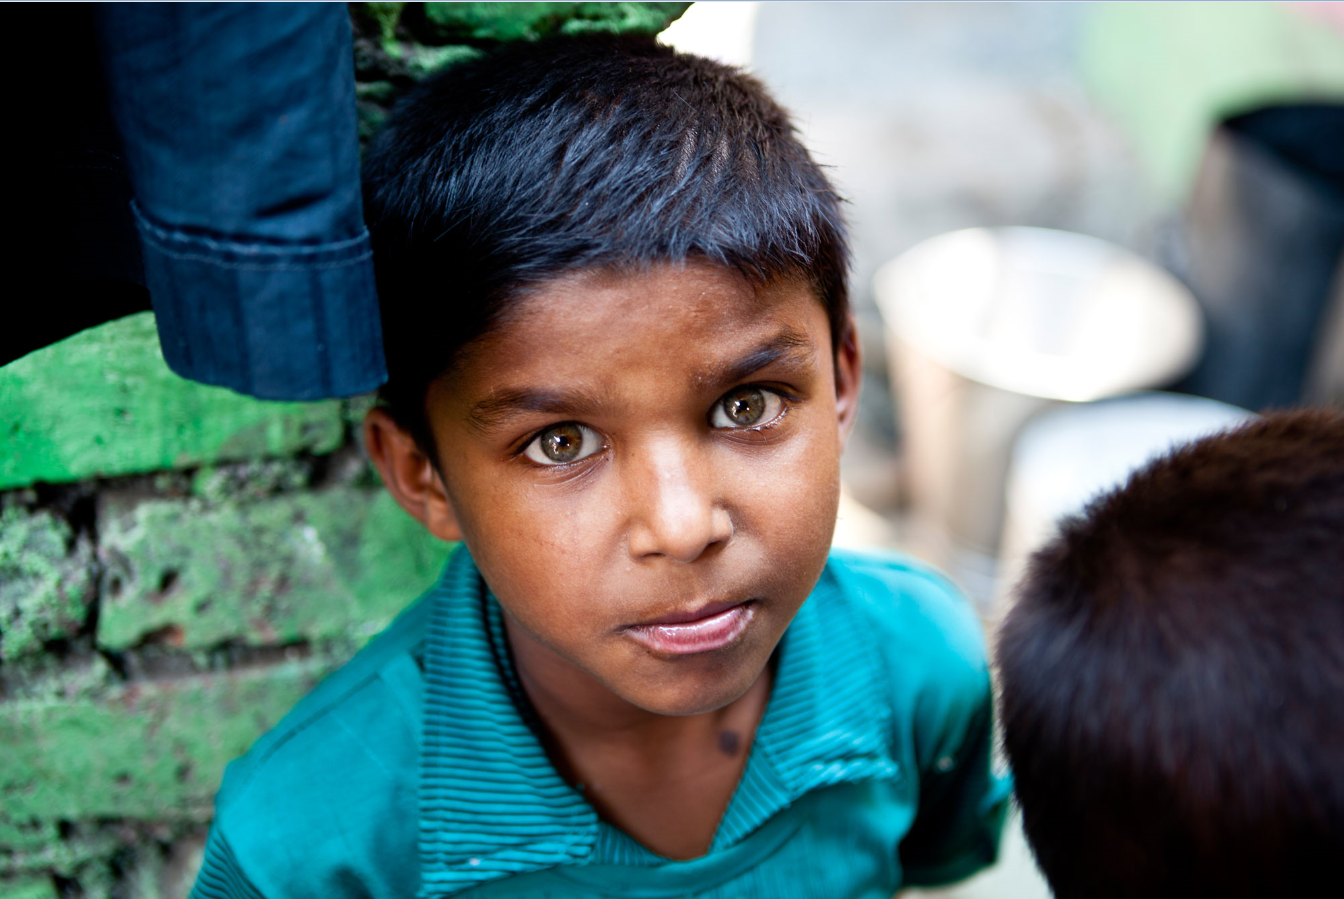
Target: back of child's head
{"x": 579, "y": 153}
{"x": 1173, "y": 674}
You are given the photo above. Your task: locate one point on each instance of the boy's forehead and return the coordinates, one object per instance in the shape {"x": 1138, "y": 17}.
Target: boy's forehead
{"x": 638, "y": 308}
{"x": 633, "y": 288}
{"x": 694, "y": 320}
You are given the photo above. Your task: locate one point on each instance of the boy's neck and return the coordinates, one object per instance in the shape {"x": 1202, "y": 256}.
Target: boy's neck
{"x": 665, "y": 780}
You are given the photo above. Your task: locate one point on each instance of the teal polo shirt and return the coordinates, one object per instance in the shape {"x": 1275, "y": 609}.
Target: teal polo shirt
{"x": 416, "y": 770}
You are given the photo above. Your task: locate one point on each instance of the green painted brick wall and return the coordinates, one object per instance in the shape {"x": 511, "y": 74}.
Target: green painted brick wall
{"x": 180, "y": 564}
{"x": 303, "y": 566}
{"x": 137, "y": 750}
{"x": 104, "y": 403}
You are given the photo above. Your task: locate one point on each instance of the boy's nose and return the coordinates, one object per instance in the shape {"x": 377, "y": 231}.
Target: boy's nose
{"x": 674, "y": 509}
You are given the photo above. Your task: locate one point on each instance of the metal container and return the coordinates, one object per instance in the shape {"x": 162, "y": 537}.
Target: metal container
{"x": 987, "y": 327}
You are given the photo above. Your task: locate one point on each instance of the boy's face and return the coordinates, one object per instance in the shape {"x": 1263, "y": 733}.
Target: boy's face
{"x": 646, "y": 469}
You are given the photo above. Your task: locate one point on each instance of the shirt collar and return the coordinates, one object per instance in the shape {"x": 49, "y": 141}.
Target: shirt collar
{"x": 491, "y": 803}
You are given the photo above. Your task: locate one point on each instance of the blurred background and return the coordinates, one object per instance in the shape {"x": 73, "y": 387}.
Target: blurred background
{"x": 1204, "y": 139}
{"x": 1195, "y": 155}
{"x": 1082, "y": 233}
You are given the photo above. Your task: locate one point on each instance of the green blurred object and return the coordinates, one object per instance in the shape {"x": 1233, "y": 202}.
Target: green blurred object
{"x": 1169, "y": 72}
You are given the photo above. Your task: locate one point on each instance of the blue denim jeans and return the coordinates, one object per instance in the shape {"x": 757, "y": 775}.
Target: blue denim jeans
{"x": 237, "y": 123}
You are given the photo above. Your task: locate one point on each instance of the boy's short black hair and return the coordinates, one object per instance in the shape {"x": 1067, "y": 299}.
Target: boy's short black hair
{"x": 1173, "y": 674}
{"x": 576, "y": 153}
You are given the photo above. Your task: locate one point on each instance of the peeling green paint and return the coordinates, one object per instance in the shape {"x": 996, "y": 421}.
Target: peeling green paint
{"x": 529, "y": 21}
{"x": 340, "y": 563}
{"x": 29, "y": 888}
{"x": 46, "y": 581}
{"x": 46, "y": 676}
{"x": 250, "y": 480}
{"x": 386, "y": 15}
{"x": 648, "y": 18}
{"x": 430, "y": 59}
{"x": 151, "y": 750}
{"x": 33, "y": 835}
{"x": 96, "y": 879}
{"x": 356, "y": 407}
{"x": 104, "y": 403}
{"x": 63, "y": 855}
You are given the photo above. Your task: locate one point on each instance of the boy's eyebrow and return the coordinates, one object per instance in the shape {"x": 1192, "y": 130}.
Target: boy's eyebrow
{"x": 488, "y": 413}
{"x": 789, "y": 347}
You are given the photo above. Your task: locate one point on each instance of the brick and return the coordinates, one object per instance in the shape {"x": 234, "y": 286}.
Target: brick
{"x": 152, "y": 750}
{"x": 337, "y": 563}
{"x": 46, "y": 581}
{"x": 104, "y": 403}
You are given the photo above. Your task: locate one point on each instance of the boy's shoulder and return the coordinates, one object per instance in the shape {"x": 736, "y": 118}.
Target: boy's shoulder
{"x": 332, "y": 788}
{"x": 929, "y": 641}
{"x": 935, "y": 684}
{"x": 330, "y": 795}
{"x": 914, "y": 611}
{"x": 388, "y": 666}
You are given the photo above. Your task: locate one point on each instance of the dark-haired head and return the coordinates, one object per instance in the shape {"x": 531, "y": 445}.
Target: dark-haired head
{"x": 576, "y": 153}
{"x": 1173, "y": 674}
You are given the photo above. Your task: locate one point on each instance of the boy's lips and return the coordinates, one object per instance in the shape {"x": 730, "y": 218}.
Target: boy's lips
{"x": 681, "y": 633}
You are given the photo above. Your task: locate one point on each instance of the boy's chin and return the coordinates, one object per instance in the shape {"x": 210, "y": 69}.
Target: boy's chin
{"x": 684, "y": 696}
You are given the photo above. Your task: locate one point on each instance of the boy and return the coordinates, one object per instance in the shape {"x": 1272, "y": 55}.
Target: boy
{"x": 1173, "y": 675}
{"x": 621, "y": 371}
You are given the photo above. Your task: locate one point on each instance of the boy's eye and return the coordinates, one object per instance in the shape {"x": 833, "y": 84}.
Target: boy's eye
{"x": 745, "y": 407}
{"x": 558, "y": 444}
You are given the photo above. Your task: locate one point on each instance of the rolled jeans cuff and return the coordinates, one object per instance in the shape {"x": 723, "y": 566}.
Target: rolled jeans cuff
{"x": 292, "y": 321}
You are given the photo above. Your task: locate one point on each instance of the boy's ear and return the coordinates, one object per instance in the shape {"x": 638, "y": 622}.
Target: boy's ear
{"x": 410, "y": 476}
{"x": 848, "y": 371}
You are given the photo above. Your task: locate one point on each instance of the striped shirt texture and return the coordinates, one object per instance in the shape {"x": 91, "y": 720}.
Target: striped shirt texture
{"x": 416, "y": 770}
